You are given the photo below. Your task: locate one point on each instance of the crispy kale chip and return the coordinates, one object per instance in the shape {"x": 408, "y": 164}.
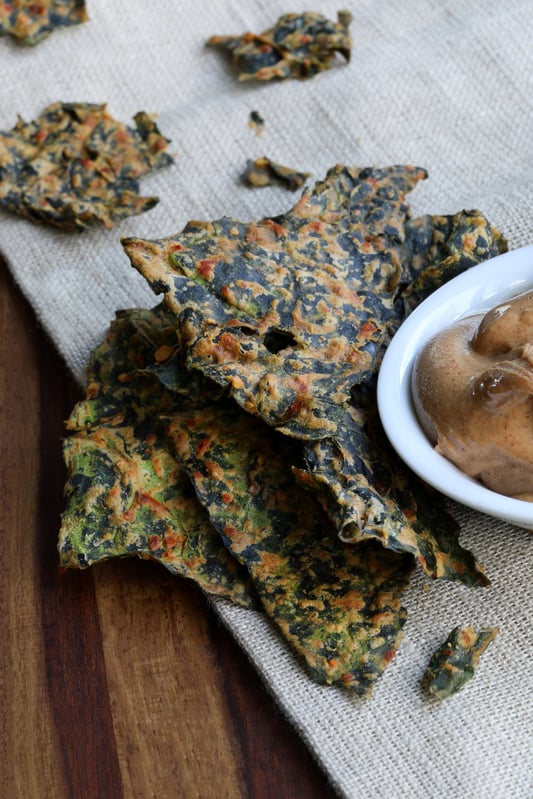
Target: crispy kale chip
{"x": 455, "y": 661}
{"x": 29, "y": 22}
{"x": 75, "y": 165}
{"x": 337, "y": 605}
{"x": 290, "y": 316}
{"x": 298, "y": 46}
{"x": 126, "y": 493}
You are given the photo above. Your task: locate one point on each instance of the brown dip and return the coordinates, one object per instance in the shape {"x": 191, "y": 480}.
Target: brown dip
{"x": 473, "y": 394}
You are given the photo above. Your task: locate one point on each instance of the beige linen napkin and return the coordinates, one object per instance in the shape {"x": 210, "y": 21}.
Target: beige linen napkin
{"x": 445, "y": 84}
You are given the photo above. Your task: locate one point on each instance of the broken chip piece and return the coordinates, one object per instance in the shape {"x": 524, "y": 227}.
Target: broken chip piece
{"x": 126, "y": 494}
{"x": 76, "y": 165}
{"x": 30, "y": 22}
{"x": 264, "y": 172}
{"x": 298, "y": 46}
{"x": 455, "y": 661}
{"x": 289, "y": 313}
{"x": 256, "y": 123}
{"x": 338, "y": 606}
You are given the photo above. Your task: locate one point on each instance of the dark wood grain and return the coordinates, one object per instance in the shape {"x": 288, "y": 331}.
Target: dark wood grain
{"x": 118, "y": 681}
{"x": 75, "y": 669}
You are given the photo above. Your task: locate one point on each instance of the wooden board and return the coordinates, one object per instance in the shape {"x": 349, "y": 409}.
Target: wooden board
{"x": 117, "y": 681}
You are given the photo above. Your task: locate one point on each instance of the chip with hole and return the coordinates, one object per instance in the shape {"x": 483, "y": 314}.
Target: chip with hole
{"x": 289, "y": 313}
{"x": 291, "y": 316}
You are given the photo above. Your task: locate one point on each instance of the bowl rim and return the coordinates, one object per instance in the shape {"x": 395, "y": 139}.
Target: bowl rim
{"x": 478, "y": 289}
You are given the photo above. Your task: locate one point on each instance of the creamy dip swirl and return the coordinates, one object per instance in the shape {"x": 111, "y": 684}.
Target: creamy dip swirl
{"x": 473, "y": 393}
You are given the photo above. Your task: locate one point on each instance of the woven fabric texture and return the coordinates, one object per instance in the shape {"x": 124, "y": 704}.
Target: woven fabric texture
{"x": 444, "y": 84}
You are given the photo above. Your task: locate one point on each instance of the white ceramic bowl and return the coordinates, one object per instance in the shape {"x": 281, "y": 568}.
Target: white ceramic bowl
{"x": 479, "y": 289}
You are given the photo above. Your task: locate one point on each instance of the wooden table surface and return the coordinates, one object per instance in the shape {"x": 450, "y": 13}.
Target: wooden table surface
{"x": 116, "y": 681}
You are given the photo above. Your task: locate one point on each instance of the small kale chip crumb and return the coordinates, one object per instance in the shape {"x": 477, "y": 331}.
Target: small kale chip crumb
{"x": 455, "y": 661}
{"x": 264, "y": 172}
{"x": 256, "y": 123}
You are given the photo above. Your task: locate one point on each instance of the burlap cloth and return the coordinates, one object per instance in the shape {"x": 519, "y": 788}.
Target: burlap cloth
{"x": 445, "y": 84}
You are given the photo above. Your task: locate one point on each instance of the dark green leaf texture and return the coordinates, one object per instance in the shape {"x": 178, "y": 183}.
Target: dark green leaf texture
{"x": 297, "y": 46}
{"x": 29, "y": 22}
{"x": 75, "y": 165}
{"x": 369, "y": 493}
{"x": 126, "y": 493}
{"x": 337, "y": 605}
{"x": 289, "y": 313}
{"x": 455, "y": 661}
